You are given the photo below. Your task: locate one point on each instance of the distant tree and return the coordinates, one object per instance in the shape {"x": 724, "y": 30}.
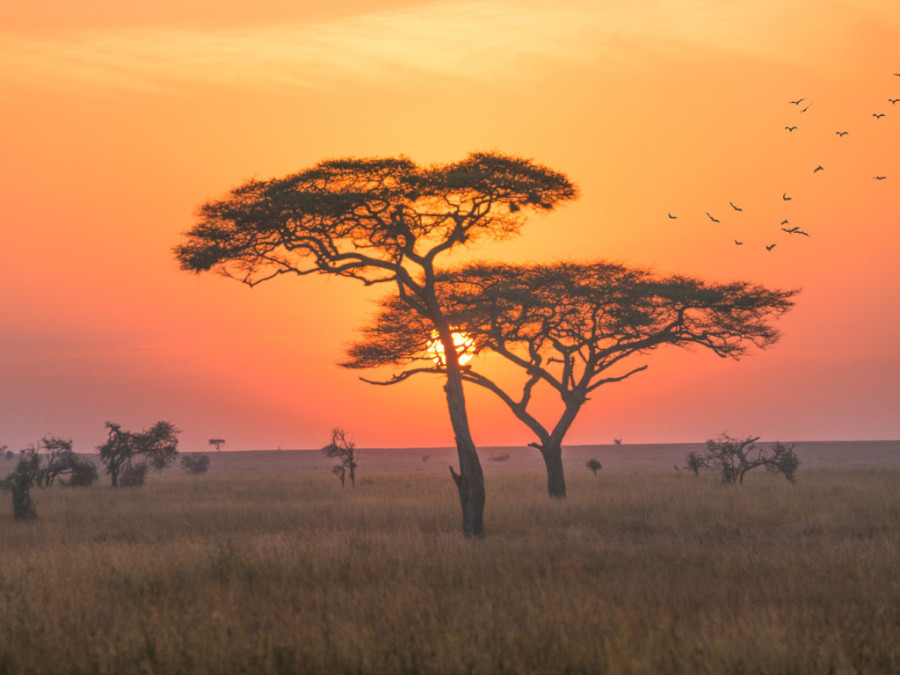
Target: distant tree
{"x": 379, "y": 221}
{"x": 571, "y": 326}
{"x": 343, "y": 449}
{"x": 61, "y": 462}
{"x": 218, "y": 442}
{"x": 734, "y": 457}
{"x": 695, "y": 462}
{"x": 195, "y": 464}
{"x": 594, "y": 465}
{"x": 24, "y": 477}
{"x": 125, "y": 453}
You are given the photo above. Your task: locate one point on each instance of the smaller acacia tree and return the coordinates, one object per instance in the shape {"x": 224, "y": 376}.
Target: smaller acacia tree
{"x": 594, "y": 465}
{"x": 734, "y": 457}
{"x": 218, "y": 443}
{"x": 131, "y": 454}
{"x": 345, "y": 451}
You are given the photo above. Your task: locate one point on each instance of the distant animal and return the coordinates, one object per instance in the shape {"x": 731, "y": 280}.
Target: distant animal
{"x": 672, "y": 217}
{"x": 806, "y": 108}
{"x": 896, "y": 74}
{"x": 739, "y": 243}
{"x": 770, "y": 247}
{"x": 785, "y": 197}
{"x": 784, "y": 222}
{"x": 736, "y": 208}
{"x": 790, "y": 128}
{"x": 617, "y": 441}
{"x": 877, "y": 116}
{"x": 879, "y": 177}
{"x": 841, "y": 133}
{"x": 791, "y": 230}
{"x": 798, "y": 101}
{"x": 819, "y": 168}
{"x": 711, "y": 218}
{"x": 805, "y": 234}
{"x": 893, "y": 100}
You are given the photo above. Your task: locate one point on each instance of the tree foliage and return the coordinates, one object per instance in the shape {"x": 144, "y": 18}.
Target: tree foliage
{"x": 571, "y": 326}
{"x": 344, "y": 450}
{"x": 379, "y": 220}
{"x": 734, "y": 457}
{"x": 195, "y": 465}
{"x": 129, "y": 454}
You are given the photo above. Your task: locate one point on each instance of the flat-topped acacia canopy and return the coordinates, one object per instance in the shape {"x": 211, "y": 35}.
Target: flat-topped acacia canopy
{"x": 375, "y": 220}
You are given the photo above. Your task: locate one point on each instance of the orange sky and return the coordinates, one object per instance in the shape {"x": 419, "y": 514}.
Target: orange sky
{"x": 118, "y": 121}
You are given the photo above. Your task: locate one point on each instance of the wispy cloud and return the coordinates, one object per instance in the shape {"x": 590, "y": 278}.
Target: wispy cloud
{"x": 482, "y": 41}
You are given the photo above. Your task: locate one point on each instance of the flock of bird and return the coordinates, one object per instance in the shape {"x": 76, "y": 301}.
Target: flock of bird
{"x": 785, "y": 197}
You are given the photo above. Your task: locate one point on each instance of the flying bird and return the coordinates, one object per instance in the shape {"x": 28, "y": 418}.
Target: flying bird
{"x": 739, "y": 243}
{"x": 791, "y": 230}
{"x": 841, "y": 133}
{"x": 798, "y": 101}
{"x": 770, "y": 247}
{"x": 784, "y": 222}
{"x": 736, "y": 208}
{"x": 879, "y": 177}
{"x": 893, "y": 100}
{"x": 819, "y": 168}
{"x": 790, "y": 128}
{"x": 711, "y": 218}
{"x": 672, "y": 217}
{"x": 785, "y": 197}
{"x": 877, "y": 116}
{"x": 806, "y": 108}
{"x": 805, "y": 234}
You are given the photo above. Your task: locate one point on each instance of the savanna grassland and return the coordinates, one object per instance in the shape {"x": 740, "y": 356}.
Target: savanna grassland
{"x": 637, "y": 572}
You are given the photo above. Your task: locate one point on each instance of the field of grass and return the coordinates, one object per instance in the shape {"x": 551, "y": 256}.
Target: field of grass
{"x": 637, "y": 572}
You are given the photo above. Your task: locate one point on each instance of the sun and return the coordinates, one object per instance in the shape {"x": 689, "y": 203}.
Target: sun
{"x": 462, "y": 342}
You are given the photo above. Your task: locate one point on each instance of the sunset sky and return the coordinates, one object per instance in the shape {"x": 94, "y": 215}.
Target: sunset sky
{"x": 120, "y": 119}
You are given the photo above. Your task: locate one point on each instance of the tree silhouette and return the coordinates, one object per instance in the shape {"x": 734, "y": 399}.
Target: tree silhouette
{"x": 342, "y": 448}
{"x": 734, "y": 457}
{"x": 130, "y": 453}
{"x": 378, "y": 221}
{"x": 570, "y": 326}
{"x": 218, "y": 443}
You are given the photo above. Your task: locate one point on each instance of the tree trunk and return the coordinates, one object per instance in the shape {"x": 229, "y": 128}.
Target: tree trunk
{"x": 470, "y": 479}
{"x": 23, "y": 506}
{"x": 551, "y": 451}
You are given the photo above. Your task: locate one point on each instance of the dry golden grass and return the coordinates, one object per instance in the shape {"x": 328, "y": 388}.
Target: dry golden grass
{"x": 642, "y": 572}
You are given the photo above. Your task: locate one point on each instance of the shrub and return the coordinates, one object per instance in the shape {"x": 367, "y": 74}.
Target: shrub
{"x": 195, "y": 464}
{"x": 133, "y": 475}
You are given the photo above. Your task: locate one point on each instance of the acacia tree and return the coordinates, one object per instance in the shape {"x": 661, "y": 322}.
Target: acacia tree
{"x": 734, "y": 457}
{"x": 131, "y": 453}
{"x": 378, "y": 221}
{"x": 344, "y": 450}
{"x": 572, "y": 327}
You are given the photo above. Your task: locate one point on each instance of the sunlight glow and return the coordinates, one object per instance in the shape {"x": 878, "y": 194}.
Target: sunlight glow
{"x": 463, "y": 343}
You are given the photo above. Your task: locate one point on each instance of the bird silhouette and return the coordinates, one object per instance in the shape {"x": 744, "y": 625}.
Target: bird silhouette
{"x": 790, "y": 128}
{"x": 893, "y": 100}
{"x": 896, "y": 74}
{"x": 798, "y": 101}
{"x": 711, "y": 218}
{"x": 739, "y": 243}
{"x": 784, "y": 222}
{"x": 806, "y": 108}
{"x": 785, "y": 197}
{"x": 770, "y": 247}
{"x": 841, "y": 133}
{"x": 736, "y": 208}
{"x": 805, "y": 234}
{"x": 791, "y": 230}
{"x": 879, "y": 177}
{"x": 672, "y": 217}
{"x": 877, "y": 116}
{"x": 818, "y": 168}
